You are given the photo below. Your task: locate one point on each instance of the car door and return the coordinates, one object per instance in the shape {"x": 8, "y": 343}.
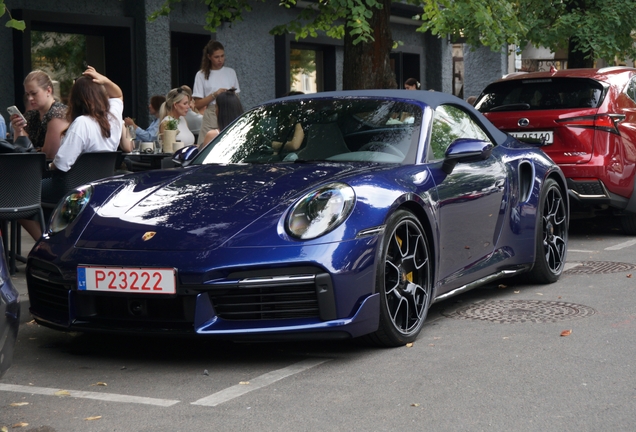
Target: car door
{"x": 470, "y": 200}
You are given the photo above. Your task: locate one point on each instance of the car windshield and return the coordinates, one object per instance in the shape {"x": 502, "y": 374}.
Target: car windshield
{"x": 541, "y": 94}
{"x": 304, "y": 130}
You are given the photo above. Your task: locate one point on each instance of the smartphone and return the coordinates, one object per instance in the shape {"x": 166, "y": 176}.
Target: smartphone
{"x": 14, "y": 110}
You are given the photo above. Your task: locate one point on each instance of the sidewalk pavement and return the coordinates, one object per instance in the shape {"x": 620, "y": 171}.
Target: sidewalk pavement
{"x": 19, "y": 278}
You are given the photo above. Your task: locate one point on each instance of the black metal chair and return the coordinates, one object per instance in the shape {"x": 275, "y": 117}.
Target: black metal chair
{"x": 20, "y": 193}
{"x": 87, "y": 168}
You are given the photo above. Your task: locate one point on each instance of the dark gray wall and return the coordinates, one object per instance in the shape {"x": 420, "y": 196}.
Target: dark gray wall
{"x": 481, "y": 67}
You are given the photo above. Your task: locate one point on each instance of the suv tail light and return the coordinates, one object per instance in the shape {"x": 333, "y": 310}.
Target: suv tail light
{"x": 605, "y": 122}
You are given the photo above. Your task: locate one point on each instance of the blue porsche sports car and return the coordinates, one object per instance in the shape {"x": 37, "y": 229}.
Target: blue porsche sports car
{"x": 331, "y": 215}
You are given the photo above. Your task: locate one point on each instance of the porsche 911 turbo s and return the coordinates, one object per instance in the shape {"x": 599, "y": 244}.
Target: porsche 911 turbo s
{"x": 331, "y": 215}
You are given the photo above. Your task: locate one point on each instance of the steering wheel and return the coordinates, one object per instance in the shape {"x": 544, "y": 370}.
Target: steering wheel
{"x": 382, "y": 147}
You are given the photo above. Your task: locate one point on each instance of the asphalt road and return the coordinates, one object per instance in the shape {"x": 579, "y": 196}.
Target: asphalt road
{"x": 493, "y": 359}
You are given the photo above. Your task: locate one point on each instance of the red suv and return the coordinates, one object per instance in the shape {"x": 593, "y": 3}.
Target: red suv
{"x": 586, "y": 122}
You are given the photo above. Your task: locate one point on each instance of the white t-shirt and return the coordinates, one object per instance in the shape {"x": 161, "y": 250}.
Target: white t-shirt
{"x": 85, "y": 136}
{"x": 184, "y": 135}
{"x": 222, "y": 78}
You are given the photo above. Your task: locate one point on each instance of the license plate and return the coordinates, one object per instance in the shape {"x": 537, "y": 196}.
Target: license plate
{"x": 127, "y": 280}
{"x": 538, "y": 135}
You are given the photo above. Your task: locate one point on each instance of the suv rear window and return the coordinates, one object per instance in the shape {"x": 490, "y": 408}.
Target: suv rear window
{"x": 541, "y": 94}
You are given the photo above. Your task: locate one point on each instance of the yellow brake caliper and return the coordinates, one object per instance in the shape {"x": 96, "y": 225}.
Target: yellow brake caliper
{"x": 408, "y": 276}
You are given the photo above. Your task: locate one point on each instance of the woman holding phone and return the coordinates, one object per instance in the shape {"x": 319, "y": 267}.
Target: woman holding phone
{"x": 95, "y": 122}
{"x": 45, "y": 117}
{"x": 212, "y": 80}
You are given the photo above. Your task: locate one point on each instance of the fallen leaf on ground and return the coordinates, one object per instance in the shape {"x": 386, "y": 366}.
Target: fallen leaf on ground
{"x": 102, "y": 384}
{"x": 516, "y": 292}
{"x": 539, "y": 294}
{"x": 62, "y": 393}
{"x": 566, "y": 332}
{"x": 4, "y": 429}
{"x": 502, "y": 286}
{"x": 244, "y": 383}
{"x": 21, "y": 424}
{"x": 629, "y": 275}
{"x": 436, "y": 337}
{"x": 415, "y": 404}
{"x": 409, "y": 345}
{"x": 93, "y": 418}
{"x": 19, "y": 403}
{"x": 31, "y": 322}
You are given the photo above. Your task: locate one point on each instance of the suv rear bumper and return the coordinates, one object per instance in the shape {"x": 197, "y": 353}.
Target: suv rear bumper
{"x": 588, "y": 193}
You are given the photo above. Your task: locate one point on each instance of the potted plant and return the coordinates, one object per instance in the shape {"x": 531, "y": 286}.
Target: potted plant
{"x": 170, "y": 131}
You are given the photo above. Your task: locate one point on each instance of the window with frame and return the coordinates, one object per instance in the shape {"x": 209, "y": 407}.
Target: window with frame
{"x": 449, "y": 124}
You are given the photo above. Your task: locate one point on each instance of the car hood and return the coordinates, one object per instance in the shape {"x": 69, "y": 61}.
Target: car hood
{"x": 201, "y": 208}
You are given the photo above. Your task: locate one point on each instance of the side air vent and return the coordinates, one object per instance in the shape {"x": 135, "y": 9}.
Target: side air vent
{"x": 526, "y": 177}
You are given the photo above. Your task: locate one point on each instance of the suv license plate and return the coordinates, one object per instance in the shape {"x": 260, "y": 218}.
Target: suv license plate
{"x": 127, "y": 280}
{"x": 538, "y": 135}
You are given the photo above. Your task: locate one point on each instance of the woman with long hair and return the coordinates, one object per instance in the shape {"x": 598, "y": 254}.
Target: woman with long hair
{"x": 95, "y": 122}
{"x": 95, "y": 111}
{"x": 45, "y": 117}
{"x": 176, "y": 107}
{"x": 212, "y": 80}
{"x": 228, "y": 107}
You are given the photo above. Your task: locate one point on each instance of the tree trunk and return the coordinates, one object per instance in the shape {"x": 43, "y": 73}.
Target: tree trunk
{"x": 576, "y": 59}
{"x": 367, "y": 65}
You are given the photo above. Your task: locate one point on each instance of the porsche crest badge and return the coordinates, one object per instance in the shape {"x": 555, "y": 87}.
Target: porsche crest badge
{"x": 147, "y": 236}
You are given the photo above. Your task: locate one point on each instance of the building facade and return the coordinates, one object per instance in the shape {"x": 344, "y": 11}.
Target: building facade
{"x": 147, "y": 58}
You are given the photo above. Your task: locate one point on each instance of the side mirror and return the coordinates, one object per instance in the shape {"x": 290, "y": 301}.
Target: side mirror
{"x": 465, "y": 150}
{"x": 184, "y": 155}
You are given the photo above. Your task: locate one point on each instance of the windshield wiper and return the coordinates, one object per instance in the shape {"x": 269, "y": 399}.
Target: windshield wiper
{"x": 511, "y": 107}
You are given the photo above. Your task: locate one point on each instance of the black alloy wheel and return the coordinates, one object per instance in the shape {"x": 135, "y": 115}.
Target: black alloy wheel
{"x": 552, "y": 235}
{"x": 403, "y": 281}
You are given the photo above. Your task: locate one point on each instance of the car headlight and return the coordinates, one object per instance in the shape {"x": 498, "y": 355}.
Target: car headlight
{"x": 320, "y": 211}
{"x": 69, "y": 208}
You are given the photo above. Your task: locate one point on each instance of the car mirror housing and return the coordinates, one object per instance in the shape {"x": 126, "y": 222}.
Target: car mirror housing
{"x": 464, "y": 150}
{"x": 185, "y": 155}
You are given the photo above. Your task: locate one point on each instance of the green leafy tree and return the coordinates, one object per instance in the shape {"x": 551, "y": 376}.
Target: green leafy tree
{"x": 12, "y": 23}
{"x": 588, "y": 29}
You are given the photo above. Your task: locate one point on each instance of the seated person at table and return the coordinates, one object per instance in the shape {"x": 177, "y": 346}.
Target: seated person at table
{"x": 95, "y": 110}
{"x": 194, "y": 117}
{"x": 176, "y": 107}
{"x": 3, "y": 128}
{"x": 45, "y": 117}
{"x": 149, "y": 134}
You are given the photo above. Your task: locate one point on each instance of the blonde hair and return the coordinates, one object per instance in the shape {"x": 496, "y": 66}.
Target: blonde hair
{"x": 174, "y": 96}
{"x": 41, "y": 78}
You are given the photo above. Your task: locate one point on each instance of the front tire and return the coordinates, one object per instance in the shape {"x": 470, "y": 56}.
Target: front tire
{"x": 403, "y": 281}
{"x": 551, "y": 236}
